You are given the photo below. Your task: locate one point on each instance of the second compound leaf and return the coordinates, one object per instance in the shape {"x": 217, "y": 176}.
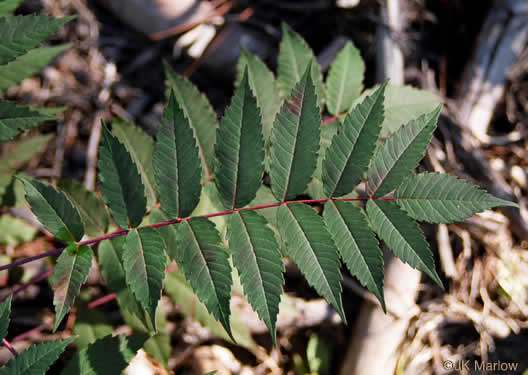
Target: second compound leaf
{"x": 205, "y": 264}
{"x": 16, "y": 119}
{"x": 70, "y": 272}
{"x": 310, "y": 246}
{"x": 403, "y": 236}
{"x": 257, "y": 257}
{"x": 144, "y": 261}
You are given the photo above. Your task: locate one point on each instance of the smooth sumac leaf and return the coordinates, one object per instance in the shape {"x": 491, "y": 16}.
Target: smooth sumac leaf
{"x": 22, "y": 33}
{"x": 70, "y": 272}
{"x": 91, "y": 209}
{"x": 5, "y": 312}
{"x": 356, "y": 243}
{"x": 295, "y": 141}
{"x": 110, "y": 260}
{"x": 144, "y": 261}
{"x": 345, "y": 80}
{"x": 15, "y": 119}
{"x": 349, "y": 155}
{"x": 439, "y": 198}
{"x": 120, "y": 183}
{"x": 295, "y": 57}
{"x": 311, "y": 247}
{"x": 53, "y": 210}
{"x": 264, "y": 86}
{"x": 240, "y": 149}
{"x": 141, "y": 147}
{"x": 205, "y": 264}
{"x": 7, "y": 7}
{"x": 106, "y": 356}
{"x": 200, "y": 114}
{"x": 177, "y": 163}
{"x": 402, "y": 235}
{"x": 257, "y": 257}
{"x": 400, "y": 154}
{"x": 26, "y": 65}
{"x": 36, "y": 359}
{"x": 90, "y": 325}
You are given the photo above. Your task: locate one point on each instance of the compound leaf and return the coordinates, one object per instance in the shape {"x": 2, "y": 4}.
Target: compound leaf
{"x": 356, "y": 243}
{"x": 402, "y": 235}
{"x": 26, "y": 65}
{"x": 144, "y": 262}
{"x": 345, "y": 80}
{"x": 36, "y": 359}
{"x": 310, "y": 246}
{"x": 200, "y": 114}
{"x": 5, "y": 312}
{"x": 7, "y": 7}
{"x": 91, "y": 209}
{"x": 264, "y": 86}
{"x": 110, "y": 260}
{"x": 257, "y": 257}
{"x": 15, "y": 119}
{"x": 295, "y": 141}
{"x": 177, "y": 163}
{"x": 240, "y": 149}
{"x": 400, "y": 154}
{"x": 205, "y": 264}
{"x": 53, "y": 210}
{"x": 349, "y": 155}
{"x": 106, "y": 356}
{"x": 70, "y": 272}
{"x": 140, "y": 146}
{"x": 295, "y": 57}
{"x": 23, "y": 33}
{"x": 120, "y": 182}
{"x": 439, "y": 198}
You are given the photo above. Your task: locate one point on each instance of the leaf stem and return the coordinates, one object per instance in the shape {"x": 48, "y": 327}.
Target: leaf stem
{"x": 10, "y": 347}
{"x": 96, "y": 240}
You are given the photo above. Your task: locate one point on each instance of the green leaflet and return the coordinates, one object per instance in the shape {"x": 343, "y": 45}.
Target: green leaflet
{"x": 159, "y": 345}
{"x": 106, "y": 356}
{"x": 5, "y": 312}
{"x": 23, "y": 33}
{"x": 205, "y": 264}
{"x": 7, "y": 7}
{"x": 345, "y": 80}
{"x": 120, "y": 183}
{"x": 240, "y": 149}
{"x": 70, "y": 272}
{"x": 27, "y": 65}
{"x": 403, "y": 236}
{"x": 350, "y": 152}
{"x": 200, "y": 114}
{"x": 177, "y": 163}
{"x": 91, "y": 209}
{"x": 110, "y": 260}
{"x": 144, "y": 261}
{"x": 36, "y": 359}
{"x": 26, "y": 149}
{"x": 90, "y": 325}
{"x": 257, "y": 257}
{"x": 357, "y": 244}
{"x": 140, "y": 146}
{"x": 400, "y": 154}
{"x": 439, "y": 198}
{"x": 310, "y": 246}
{"x": 14, "y": 231}
{"x": 295, "y": 141}
{"x": 295, "y": 57}
{"x": 15, "y": 119}
{"x": 264, "y": 86}
{"x": 53, "y": 210}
